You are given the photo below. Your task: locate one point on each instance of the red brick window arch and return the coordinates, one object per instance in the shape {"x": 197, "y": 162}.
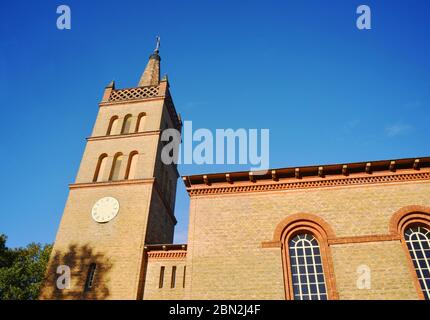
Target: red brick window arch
{"x": 307, "y": 262}
{"x": 412, "y": 224}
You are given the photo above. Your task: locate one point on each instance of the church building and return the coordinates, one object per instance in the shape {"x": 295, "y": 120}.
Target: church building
{"x": 329, "y": 231}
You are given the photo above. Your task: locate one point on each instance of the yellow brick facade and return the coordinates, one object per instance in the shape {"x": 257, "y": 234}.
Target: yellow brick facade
{"x": 226, "y": 232}
{"x": 237, "y": 238}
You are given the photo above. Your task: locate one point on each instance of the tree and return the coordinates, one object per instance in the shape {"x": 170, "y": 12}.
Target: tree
{"x": 22, "y": 270}
{"x": 6, "y": 256}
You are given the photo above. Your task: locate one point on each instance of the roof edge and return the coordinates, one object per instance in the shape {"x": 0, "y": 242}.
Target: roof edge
{"x": 308, "y": 171}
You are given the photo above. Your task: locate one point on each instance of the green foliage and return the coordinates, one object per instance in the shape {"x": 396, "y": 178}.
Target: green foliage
{"x": 22, "y": 270}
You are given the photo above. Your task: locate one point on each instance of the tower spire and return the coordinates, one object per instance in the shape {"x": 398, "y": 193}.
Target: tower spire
{"x": 151, "y": 75}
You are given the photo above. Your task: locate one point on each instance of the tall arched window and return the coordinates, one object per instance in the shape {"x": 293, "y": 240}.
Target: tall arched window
{"x": 417, "y": 238}
{"x": 132, "y": 165}
{"x": 412, "y": 225}
{"x": 116, "y": 167}
{"x": 113, "y": 125}
{"x": 140, "y": 124}
{"x": 101, "y": 165}
{"x": 126, "y": 125}
{"x": 307, "y": 271}
{"x": 307, "y": 262}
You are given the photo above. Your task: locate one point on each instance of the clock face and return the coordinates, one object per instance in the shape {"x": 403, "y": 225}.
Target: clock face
{"x": 105, "y": 209}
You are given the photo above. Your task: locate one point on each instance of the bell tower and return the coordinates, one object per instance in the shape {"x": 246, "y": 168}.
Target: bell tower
{"x": 123, "y": 197}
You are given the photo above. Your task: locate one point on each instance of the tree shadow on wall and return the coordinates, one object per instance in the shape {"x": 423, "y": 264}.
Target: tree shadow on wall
{"x": 79, "y": 259}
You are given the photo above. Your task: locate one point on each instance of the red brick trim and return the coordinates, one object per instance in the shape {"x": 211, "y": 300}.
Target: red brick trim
{"x": 343, "y": 240}
{"x": 292, "y": 184}
{"x": 305, "y": 219}
{"x": 167, "y": 255}
{"x": 402, "y": 219}
{"x": 271, "y": 244}
{"x": 361, "y": 239}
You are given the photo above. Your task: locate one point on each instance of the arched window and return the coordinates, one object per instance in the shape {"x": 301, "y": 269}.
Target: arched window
{"x": 101, "y": 165}
{"x": 113, "y": 125}
{"x": 116, "y": 167}
{"x": 132, "y": 165}
{"x": 306, "y": 257}
{"x": 412, "y": 225}
{"x": 307, "y": 271}
{"x": 126, "y": 125}
{"x": 140, "y": 124}
{"x": 417, "y": 239}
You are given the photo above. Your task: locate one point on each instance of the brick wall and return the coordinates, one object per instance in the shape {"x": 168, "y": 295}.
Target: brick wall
{"x": 390, "y": 277}
{"x": 152, "y": 289}
{"x": 160, "y": 223}
{"x": 226, "y": 232}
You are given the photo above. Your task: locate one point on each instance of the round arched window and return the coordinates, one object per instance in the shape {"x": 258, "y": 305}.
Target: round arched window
{"x": 417, "y": 239}
{"x": 306, "y": 268}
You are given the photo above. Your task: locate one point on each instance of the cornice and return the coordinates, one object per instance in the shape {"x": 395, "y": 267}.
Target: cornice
{"x": 166, "y": 251}
{"x": 110, "y": 183}
{"x": 167, "y": 255}
{"x": 128, "y": 135}
{"x": 305, "y": 172}
{"x": 109, "y": 103}
{"x": 309, "y": 183}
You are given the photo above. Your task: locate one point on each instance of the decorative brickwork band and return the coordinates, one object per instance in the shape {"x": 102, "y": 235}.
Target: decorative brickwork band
{"x": 133, "y": 93}
{"x": 361, "y": 239}
{"x": 167, "y": 255}
{"x": 404, "y": 177}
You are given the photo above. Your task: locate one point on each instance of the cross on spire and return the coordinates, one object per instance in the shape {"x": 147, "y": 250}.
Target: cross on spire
{"x": 157, "y": 47}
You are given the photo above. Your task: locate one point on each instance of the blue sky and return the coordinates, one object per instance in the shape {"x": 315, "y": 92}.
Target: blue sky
{"x": 328, "y": 92}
